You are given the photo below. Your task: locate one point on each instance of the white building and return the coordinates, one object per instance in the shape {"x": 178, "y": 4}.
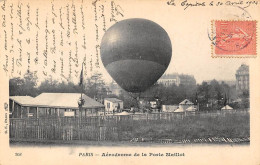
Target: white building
{"x": 153, "y": 104}
{"x": 169, "y": 108}
{"x": 113, "y": 105}
{"x": 169, "y": 79}
{"x": 186, "y": 106}
{"x": 242, "y": 78}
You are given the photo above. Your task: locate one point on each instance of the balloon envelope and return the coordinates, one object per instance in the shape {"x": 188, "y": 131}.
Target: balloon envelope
{"x": 136, "y": 52}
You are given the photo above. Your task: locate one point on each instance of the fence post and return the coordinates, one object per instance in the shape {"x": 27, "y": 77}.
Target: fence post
{"x": 78, "y": 127}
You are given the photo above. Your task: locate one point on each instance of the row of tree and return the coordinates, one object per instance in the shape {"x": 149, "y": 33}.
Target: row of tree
{"x": 209, "y": 95}
{"x": 94, "y": 86}
{"x": 212, "y": 95}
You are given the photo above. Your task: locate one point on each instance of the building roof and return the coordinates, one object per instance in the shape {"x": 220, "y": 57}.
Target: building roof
{"x": 169, "y": 76}
{"x": 186, "y": 102}
{"x": 243, "y": 67}
{"x": 114, "y": 100}
{"x": 22, "y": 100}
{"x": 62, "y": 100}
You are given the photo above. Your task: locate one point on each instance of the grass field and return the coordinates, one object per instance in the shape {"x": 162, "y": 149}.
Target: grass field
{"x": 230, "y": 125}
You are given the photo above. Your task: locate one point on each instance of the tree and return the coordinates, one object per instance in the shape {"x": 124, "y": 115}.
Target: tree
{"x": 48, "y": 85}
{"x": 16, "y": 86}
{"x": 245, "y": 101}
{"x": 128, "y": 100}
{"x": 24, "y": 86}
{"x": 95, "y": 87}
{"x": 52, "y": 85}
{"x": 203, "y": 95}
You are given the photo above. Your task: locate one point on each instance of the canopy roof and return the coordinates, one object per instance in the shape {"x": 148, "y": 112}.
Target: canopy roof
{"x": 186, "y": 102}
{"x": 22, "y": 100}
{"x": 227, "y": 107}
{"x": 61, "y": 100}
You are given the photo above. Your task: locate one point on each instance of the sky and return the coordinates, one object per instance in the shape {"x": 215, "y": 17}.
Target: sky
{"x": 188, "y": 30}
{"x": 191, "y": 47}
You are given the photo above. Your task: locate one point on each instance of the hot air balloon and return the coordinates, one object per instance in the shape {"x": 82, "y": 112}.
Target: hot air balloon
{"x": 136, "y": 52}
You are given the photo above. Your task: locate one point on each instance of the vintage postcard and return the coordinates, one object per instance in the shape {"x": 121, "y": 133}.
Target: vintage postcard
{"x": 129, "y": 82}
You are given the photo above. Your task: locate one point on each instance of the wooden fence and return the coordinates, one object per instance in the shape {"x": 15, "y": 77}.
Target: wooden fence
{"x": 95, "y": 128}
{"x": 70, "y": 128}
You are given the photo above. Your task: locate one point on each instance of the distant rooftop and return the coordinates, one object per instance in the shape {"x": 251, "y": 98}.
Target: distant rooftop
{"x": 228, "y": 82}
{"x": 243, "y": 67}
{"x": 114, "y": 100}
{"x": 186, "y": 102}
{"x": 169, "y": 76}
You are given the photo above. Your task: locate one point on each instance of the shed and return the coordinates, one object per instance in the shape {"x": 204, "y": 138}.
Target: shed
{"x": 56, "y": 105}
{"x": 113, "y": 105}
{"x": 20, "y": 106}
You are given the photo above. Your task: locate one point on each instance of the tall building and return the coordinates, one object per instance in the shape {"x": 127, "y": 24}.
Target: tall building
{"x": 169, "y": 79}
{"x": 242, "y": 78}
{"x": 187, "y": 80}
{"x": 183, "y": 79}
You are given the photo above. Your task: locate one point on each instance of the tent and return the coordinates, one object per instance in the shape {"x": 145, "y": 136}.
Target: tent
{"x": 191, "y": 109}
{"x": 179, "y": 110}
{"x": 227, "y": 107}
{"x": 186, "y": 102}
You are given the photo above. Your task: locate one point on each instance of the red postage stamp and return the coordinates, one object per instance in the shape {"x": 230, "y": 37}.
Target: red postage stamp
{"x": 234, "y": 39}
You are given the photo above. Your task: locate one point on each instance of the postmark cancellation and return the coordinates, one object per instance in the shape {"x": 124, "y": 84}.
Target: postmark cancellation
{"x": 234, "y": 39}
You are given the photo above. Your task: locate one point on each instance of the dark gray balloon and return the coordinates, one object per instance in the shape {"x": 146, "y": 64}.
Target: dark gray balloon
{"x": 136, "y": 52}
